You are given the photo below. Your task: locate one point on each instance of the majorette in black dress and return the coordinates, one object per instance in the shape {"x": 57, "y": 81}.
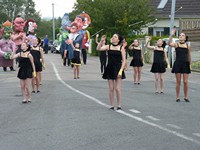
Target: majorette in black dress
{"x": 25, "y": 68}
{"x": 36, "y": 56}
{"x": 181, "y": 64}
{"x": 114, "y": 65}
{"x": 137, "y": 58}
{"x": 158, "y": 65}
{"x": 76, "y": 59}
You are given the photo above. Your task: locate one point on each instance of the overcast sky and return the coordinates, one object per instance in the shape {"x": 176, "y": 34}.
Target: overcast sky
{"x": 60, "y": 7}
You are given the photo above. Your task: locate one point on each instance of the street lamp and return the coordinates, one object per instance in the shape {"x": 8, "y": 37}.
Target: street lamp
{"x": 53, "y": 22}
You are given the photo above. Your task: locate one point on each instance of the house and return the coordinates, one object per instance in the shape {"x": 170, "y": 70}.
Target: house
{"x": 186, "y": 17}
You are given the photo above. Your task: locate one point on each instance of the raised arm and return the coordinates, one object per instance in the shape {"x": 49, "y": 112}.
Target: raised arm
{"x": 131, "y": 46}
{"x": 148, "y": 39}
{"x": 104, "y": 47}
{"x": 170, "y": 39}
{"x": 97, "y": 38}
{"x": 13, "y": 55}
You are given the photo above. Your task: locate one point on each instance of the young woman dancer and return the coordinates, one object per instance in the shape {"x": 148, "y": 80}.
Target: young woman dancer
{"x": 158, "y": 66}
{"x": 114, "y": 71}
{"x": 182, "y": 63}
{"x": 26, "y": 70}
{"x": 102, "y": 54}
{"x": 37, "y": 53}
{"x": 76, "y": 60}
{"x": 137, "y": 61}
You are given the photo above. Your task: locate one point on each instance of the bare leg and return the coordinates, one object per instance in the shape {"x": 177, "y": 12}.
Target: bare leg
{"x": 156, "y": 82}
{"x": 22, "y": 84}
{"x": 33, "y": 83}
{"x": 185, "y": 81}
{"x": 75, "y": 69}
{"x": 111, "y": 92}
{"x": 118, "y": 91}
{"x": 161, "y": 81}
{"x": 178, "y": 84}
{"x": 40, "y": 78}
{"x": 27, "y": 86}
{"x": 78, "y": 68}
{"x": 38, "y": 81}
{"x": 135, "y": 74}
{"x": 139, "y": 73}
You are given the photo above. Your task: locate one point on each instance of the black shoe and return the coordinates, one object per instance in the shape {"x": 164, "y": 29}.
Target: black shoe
{"x": 33, "y": 91}
{"x": 186, "y": 100}
{"x": 38, "y": 91}
{"x": 4, "y": 69}
{"x": 24, "y": 102}
{"x": 177, "y": 100}
{"x": 119, "y": 108}
{"x": 112, "y": 108}
{"x": 12, "y": 69}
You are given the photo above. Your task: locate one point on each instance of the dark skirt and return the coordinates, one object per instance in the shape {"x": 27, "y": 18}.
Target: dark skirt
{"x": 136, "y": 63}
{"x": 158, "y": 68}
{"x": 76, "y": 61}
{"x": 25, "y": 73}
{"x": 111, "y": 72}
{"x": 181, "y": 67}
{"x": 38, "y": 66}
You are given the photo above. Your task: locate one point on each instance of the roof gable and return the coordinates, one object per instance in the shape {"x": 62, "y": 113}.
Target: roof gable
{"x": 191, "y": 8}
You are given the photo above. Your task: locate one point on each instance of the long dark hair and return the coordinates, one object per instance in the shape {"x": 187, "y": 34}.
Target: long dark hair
{"x": 164, "y": 44}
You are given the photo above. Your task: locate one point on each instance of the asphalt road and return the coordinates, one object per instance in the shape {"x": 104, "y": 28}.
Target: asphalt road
{"x": 71, "y": 114}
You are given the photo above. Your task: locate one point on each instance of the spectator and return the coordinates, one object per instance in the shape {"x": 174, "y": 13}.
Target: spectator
{"x": 46, "y": 44}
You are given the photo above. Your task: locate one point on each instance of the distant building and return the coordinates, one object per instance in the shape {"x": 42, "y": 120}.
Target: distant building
{"x": 186, "y": 10}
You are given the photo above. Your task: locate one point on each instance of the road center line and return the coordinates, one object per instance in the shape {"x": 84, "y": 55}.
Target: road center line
{"x": 125, "y": 113}
{"x": 153, "y": 118}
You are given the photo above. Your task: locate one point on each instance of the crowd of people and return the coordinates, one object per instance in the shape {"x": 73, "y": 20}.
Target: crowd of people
{"x": 116, "y": 55}
{"x": 27, "y": 49}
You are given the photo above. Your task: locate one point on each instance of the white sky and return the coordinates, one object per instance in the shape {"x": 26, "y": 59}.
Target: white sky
{"x": 60, "y": 7}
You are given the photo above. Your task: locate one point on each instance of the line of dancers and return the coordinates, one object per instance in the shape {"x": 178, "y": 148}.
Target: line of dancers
{"x": 114, "y": 70}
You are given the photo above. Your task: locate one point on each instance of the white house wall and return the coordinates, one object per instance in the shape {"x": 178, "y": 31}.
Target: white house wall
{"x": 159, "y": 26}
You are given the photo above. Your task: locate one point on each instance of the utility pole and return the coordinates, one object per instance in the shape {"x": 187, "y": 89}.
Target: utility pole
{"x": 171, "y": 26}
{"x": 53, "y": 22}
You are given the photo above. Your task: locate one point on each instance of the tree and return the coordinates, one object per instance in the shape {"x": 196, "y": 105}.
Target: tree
{"x": 115, "y": 16}
{"x": 9, "y": 9}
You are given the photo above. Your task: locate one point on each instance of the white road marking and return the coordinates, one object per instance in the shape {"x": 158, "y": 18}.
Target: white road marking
{"x": 196, "y": 134}
{"x": 153, "y": 118}
{"x": 174, "y": 126}
{"x": 125, "y": 113}
{"x": 135, "y": 111}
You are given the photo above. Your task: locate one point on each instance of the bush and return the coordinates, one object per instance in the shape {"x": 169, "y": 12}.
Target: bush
{"x": 196, "y": 65}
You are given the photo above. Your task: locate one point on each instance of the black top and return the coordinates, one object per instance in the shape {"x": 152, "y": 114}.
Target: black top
{"x": 114, "y": 65}
{"x": 181, "y": 64}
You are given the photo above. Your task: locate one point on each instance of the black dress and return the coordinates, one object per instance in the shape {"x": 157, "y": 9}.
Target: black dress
{"x": 158, "y": 65}
{"x": 181, "y": 64}
{"x": 114, "y": 65}
{"x": 25, "y": 70}
{"x": 137, "y": 58}
{"x": 76, "y": 59}
{"x": 36, "y": 56}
